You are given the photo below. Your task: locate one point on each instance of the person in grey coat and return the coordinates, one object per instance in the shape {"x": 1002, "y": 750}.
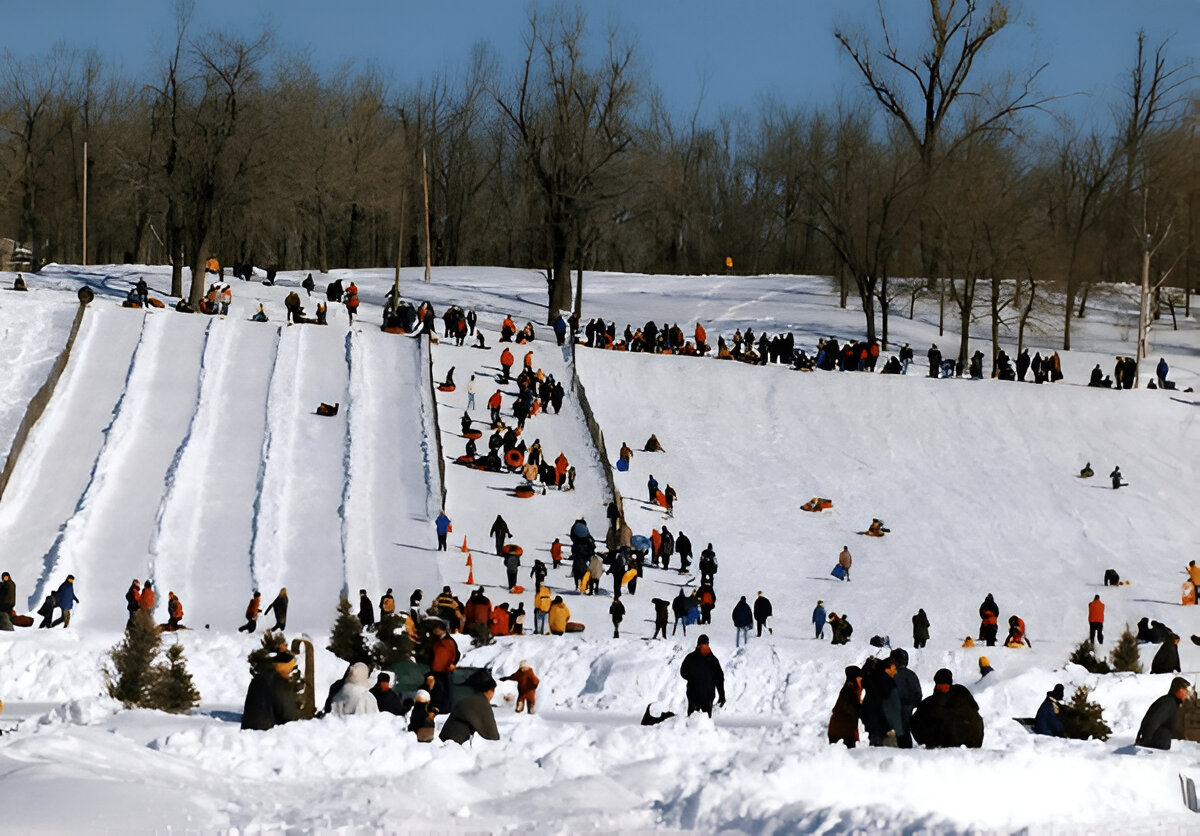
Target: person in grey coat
{"x": 909, "y": 686}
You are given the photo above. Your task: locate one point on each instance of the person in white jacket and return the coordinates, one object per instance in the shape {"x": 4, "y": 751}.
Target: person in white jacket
{"x": 355, "y": 696}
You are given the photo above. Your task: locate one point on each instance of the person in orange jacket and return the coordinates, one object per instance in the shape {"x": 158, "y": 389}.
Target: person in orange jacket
{"x": 146, "y": 599}
{"x": 1096, "y": 620}
{"x": 444, "y": 658}
{"x": 560, "y": 469}
{"x": 556, "y": 552}
{"x": 527, "y": 683}
{"x": 508, "y": 330}
{"x": 174, "y": 611}
{"x": 506, "y": 361}
{"x": 558, "y": 616}
{"x": 252, "y": 614}
{"x": 494, "y": 403}
{"x": 499, "y": 620}
{"x": 529, "y": 361}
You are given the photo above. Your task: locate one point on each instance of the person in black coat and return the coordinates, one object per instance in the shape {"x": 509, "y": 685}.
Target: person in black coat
{"x": 1158, "y": 726}
{"x": 617, "y": 610}
{"x": 1022, "y": 364}
{"x": 271, "y": 699}
{"x": 280, "y": 606}
{"x": 920, "y": 623}
{"x": 948, "y": 717}
{"x": 935, "y": 361}
{"x": 762, "y": 611}
{"x": 500, "y": 531}
{"x": 683, "y": 548}
{"x": 366, "y": 610}
{"x": 909, "y": 686}
{"x": 1166, "y": 660}
{"x": 989, "y": 616}
{"x": 389, "y": 701}
{"x": 881, "y": 705}
{"x": 704, "y": 677}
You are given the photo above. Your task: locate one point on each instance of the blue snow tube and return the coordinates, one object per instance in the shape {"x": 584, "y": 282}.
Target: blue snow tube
{"x": 623, "y": 465}
{"x": 640, "y": 543}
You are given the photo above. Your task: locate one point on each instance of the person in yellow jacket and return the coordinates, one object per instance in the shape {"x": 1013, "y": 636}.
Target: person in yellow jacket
{"x": 541, "y": 606}
{"x": 559, "y": 616}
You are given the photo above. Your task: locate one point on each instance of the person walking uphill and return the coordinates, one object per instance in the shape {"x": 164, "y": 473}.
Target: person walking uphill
{"x": 280, "y": 607}
{"x": 1096, "y": 620}
{"x": 500, "y": 531}
{"x": 989, "y": 616}
{"x": 704, "y": 677}
{"x": 442, "y": 525}
{"x": 762, "y": 611}
{"x": 67, "y": 599}
{"x": 743, "y": 620}
{"x": 844, "y": 560}
{"x": 819, "y": 618}
{"x": 920, "y": 625}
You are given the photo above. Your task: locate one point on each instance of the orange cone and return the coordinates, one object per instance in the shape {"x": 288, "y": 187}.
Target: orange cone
{"x": 464, "y": 545}
{"x": 471, "y": 576}
{"x": 469, "y": 563}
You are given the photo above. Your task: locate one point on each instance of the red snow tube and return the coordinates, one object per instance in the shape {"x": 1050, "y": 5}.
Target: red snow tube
{"x": 477, "y": 434}
{"x": 514, "y": 458}
{"x": 574, "y": 627}
{"x": 513, "y": 548}
{"x": 393, "y": 329}
{"x": 523, "y": 491}
{"x": 446, "y": 387}
{"x": 466, "y": 459}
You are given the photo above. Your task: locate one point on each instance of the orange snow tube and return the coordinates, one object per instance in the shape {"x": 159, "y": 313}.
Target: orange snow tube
{"x": 514, "y": 458}
{"x": 523, "y": 491}
{"x": 476, "y": 434}
{"x": 446, "y": 387}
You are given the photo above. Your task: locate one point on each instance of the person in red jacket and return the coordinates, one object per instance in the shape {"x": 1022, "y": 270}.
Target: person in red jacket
{"x": 506, "y": 362}
{"x": 560, "y": 469}
{"x": 494, "y": 403}
{"x": 442, "y": 662}
{"x": 1096, "y": 620}
{"x": 174, "y": 611}
{"x": 527, "y": 683}
{"x": 556, "y": 552}
{"x": 146, "y": 599}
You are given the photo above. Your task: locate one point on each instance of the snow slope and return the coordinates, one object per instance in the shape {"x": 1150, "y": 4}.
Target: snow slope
{"x": 975, "y": 478}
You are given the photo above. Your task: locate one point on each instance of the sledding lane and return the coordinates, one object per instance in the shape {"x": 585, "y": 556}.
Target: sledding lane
{"x": 390, "y": 501}
{"x": 297, "y": 540}
{"x": 58, "y": 462}
{"x": 201, "y": 543}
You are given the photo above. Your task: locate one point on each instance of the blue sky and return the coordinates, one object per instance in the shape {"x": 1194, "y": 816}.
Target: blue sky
{"x": 737, "y": 52}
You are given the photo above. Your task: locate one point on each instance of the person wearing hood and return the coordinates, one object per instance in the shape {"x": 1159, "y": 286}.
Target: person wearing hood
{"x": 909, "y": 686}
{"x": 420, "y": 717}
{"x": 1158, "y": 726}
{"x": 948, "y": 717}
{"x": 762, "y": 612}
{"x": 1166, "y": 660}
{"x": 271, "y": 699}
{"x": 819, "y": 617}
{"x": 1047, "y": 721}
{"x": 500, "y": 531}
{"x": 989, "y": 617}
{"x": 704, "y": 677}
{"x": 280, "y": 606}
{"x": 527, "y": 683}
{"x": 473, "y": 713}
{"x": 920, "y": 624}
{"x": 881, "y": 706}
{"x": 366, "y": 610}
{"x": 389, "y": 701}
{"x": 354, "y": 697}
{"x": 843, "y": 721}
{"x": 558, "y": 616}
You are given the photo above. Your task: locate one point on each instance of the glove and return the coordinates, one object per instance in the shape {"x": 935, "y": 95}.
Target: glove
{"x": 721, "y": 701}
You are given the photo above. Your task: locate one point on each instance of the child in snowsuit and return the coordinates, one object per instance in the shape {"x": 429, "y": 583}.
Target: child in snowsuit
{"x": 527, "y": 683}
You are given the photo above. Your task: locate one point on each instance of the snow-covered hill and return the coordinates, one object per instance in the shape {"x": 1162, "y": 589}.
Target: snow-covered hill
{"x": 185, "y": 449}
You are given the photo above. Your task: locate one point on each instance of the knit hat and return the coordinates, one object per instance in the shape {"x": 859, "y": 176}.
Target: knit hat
{"x": 524, "y": 664}
{"x": 853, "y": 672}
{"x": 900, "y": 657}
{"x": 983, "y": 662}
{"x": 702, "y": 640}
{"x": 1056, "y": 692}
{"x": 1179, "y": 682}
{"x": 943, "y": 677}
{"x": 421, "y": 696}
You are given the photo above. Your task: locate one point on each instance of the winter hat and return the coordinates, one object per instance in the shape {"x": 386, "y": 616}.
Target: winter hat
{"x": 702, "y": 640}
{"x": 900, "y": 657}
{"x": 1056, "y": 692}
{"x": 481, "y": 680}
{"x": 524, "y": 664}
{"x": 1179, "y": 682}
{"x": 983, "y": 662}
{"x": 421, "y": 696}
{"x": 943, "y": 677}
{"x": 853, "y": 672}
{"x": 384, "y": 676}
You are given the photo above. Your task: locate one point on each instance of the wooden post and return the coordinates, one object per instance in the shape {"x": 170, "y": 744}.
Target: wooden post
{"x": 399, "y": 257}
{"x": 425, "y": 183}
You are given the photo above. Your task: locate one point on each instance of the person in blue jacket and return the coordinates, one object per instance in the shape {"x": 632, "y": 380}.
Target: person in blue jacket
{"x": 1047, "y": 720}
{"x": 67, "y": 599}
{"x": 652, "y": 489}
{"x": 743, "y": 620}
{"x": 1161, "y": 371}
{"x": 819, "y": 618}
{"x": 442, "y": 524}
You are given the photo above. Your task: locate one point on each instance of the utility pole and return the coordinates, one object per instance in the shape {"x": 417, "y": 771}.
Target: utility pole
{"x": 1143, "y": 309}
{"x": 425, "y": 182}
{"x": 83, "y": 259}
{"x": 399, "y": 257}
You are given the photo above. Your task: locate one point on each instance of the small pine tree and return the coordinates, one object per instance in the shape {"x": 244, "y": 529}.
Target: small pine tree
{"x": 132, "y": 673}
{"x": 1082, "y": 719}
{"x": 1125, "y": 655}
{"x": 346, "y": 641}
{"x": 172, "y": 690}
{"x": 260, "y": 657}
{"x": 1085, "y": 655}
{"x": 393, "y": 644}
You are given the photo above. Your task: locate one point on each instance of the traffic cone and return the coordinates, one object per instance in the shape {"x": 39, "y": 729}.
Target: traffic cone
{"x": 464, "y": 545}
{"x": 471, "y": 576}
{"x": 469, "y": 563}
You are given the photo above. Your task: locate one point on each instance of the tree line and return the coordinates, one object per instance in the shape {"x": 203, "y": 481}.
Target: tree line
{"x": 571, "y": 161}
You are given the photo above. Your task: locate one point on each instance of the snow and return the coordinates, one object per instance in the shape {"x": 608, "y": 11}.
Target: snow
{"x": 186, "y": 449}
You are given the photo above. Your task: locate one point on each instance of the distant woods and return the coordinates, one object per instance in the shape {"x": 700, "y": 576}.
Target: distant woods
{"x": 572, "y": 161}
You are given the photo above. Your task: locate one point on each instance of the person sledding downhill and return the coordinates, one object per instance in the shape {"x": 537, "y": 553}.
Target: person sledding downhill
{"x": 1016, "y": 633}
{"x": 876, "y": 529}
{"x": 817, "y": 504}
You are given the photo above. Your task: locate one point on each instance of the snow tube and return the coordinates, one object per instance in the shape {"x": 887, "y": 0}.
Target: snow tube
{"x": 583, "y": 582}
{"x": 660, "y": 498}
{"x": 517, "y": 590}
{"x": 464, "y": 459}
{"x": 513, "y": 548}
{"x": 575, "y": 627}
{"x": 523, "y": 491}
{"x": 476, "y": 434}
{"x": 446, "y": 387}
{"x": 514, "y": 458}
{"x": 21, "y": 620}
{"x": 157, "y": 303}
{"x": 640, "y": 543}
{"x": 623, "y": 465}
{"x": 628, "y": 576}
{"x": 393, "y": 329}
{"x": 128, "y": 304}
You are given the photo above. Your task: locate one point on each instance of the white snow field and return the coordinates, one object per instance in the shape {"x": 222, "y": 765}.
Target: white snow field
{"x": 186, "y": 449}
